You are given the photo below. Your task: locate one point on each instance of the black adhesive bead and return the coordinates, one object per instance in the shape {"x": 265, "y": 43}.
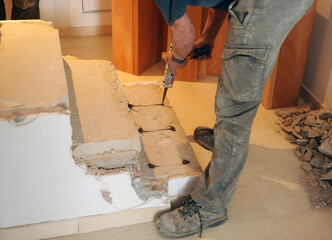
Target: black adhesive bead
{"x": 172, "y": 128}
{"x": 151, "y": 166}
{"x": 140, "y": 130}
{"x": 185, "y": 162}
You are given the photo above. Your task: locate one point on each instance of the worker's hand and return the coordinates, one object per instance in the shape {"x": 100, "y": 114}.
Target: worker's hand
{"x": 174, "y": 66}
{"x": 201, "y": 42}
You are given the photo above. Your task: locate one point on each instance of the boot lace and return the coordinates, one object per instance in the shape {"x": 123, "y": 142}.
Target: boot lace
{"x": 190, "y": 208}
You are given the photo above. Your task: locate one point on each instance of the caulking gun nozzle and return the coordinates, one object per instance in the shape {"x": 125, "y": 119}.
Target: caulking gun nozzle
{"x": 164, "y": 95}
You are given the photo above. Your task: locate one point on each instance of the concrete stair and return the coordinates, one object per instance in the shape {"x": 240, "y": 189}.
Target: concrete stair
{"x": 104, "y": 132}
{"x": 168, "y": 153}
{"x": 85, "y": 162}
{"x": 131, "y": 128}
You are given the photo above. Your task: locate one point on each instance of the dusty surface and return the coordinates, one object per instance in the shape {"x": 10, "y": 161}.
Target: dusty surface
{"x": 312, "y": 131}
{"x": 154, "y": 117}
{"x": 104, "y": 132}
{"x": 171, "y": 154}
{"x": 32, "y": 74}
{"x": 166, "y": 146}
{"x": 320, "y": 192}
{"x": 143, "y": 93}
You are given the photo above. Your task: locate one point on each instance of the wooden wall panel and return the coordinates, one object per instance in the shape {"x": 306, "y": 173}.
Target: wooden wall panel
{"x": 136, "y": 35}
{"x": 150, "y": 38}
{"x": 122, "y": 35}
{"x": 214, "y": 64}
{"x": 202, "y": 65}
{"x": 165, "y": 36}
{"x": 292, "y": 60}
{"x": 270, "y": 87}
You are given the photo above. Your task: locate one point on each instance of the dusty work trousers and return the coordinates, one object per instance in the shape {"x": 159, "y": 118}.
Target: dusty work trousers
{"x": 256, "y": 31}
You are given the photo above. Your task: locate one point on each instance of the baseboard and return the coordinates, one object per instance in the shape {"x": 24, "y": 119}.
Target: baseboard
{"x": 308, "y": 97}
{"x": 85, "y": 31}
{"x": 81, "y": 225}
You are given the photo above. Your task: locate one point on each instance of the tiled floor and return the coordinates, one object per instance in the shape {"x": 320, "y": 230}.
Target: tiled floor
{"x": 270, "y": 202}
{"x": 95, "y": 47}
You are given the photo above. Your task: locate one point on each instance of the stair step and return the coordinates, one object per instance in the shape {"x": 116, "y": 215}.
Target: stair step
{"x": 105, "y": 134}
{"x": 168, "y": 153}
{"x": 32, "y": 75}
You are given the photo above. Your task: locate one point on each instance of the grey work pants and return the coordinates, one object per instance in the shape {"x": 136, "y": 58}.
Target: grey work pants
{"x": 256, "y": 31}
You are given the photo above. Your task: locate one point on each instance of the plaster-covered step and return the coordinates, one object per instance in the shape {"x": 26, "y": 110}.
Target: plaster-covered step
{"x": 168, "y": 153}
{"x": 39, "y": 180}
{"x": 104, "y": 132}
{"x": 32, "y": 75}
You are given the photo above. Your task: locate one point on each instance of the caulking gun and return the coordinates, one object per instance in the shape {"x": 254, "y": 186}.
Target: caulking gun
{"x": 168, "y": 79}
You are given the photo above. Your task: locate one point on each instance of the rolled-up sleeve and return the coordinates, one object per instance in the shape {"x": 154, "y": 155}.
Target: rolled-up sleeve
{"x": 172, "y": 10}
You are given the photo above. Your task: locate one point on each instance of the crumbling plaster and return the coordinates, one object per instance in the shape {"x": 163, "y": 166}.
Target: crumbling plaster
{"x": 40, "y": 182}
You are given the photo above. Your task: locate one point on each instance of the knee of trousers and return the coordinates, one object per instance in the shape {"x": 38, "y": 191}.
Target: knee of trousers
{"x": 25, "y": 4}
{"x": 244, "y": 72}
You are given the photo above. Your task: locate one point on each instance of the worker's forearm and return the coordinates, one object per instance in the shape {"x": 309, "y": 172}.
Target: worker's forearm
{"x": 183, "y": 37}
{"x": 213, "y": 23}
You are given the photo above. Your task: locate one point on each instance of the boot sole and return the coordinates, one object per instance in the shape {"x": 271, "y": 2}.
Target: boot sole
{"x": 213, "y": 224}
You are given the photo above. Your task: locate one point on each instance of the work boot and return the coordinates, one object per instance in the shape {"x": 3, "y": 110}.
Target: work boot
{"x": 204, "y": 136}
{"x": 189, "y": 219}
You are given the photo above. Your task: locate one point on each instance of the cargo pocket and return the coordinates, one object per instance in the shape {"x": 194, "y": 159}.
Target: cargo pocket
{"x": 244, "y": 71}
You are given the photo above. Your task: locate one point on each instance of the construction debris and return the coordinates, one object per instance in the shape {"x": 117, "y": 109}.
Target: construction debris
{"x": 326, "y": 147}
{"x": 312, "y": 131}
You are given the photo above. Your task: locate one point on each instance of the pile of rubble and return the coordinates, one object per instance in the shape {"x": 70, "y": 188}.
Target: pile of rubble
{"x": 312, "y": 131}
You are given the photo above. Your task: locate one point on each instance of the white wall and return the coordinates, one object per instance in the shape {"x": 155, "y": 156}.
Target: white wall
{"x": 97, "y": 5}
{"x": 80, "y": 19}
{"x": 69, "y": 13}
{"x": 8, "y": 6}
{"x": 55, "y": 11}
{"x": 318, "y": 73}
{"x": 40, "y": 182}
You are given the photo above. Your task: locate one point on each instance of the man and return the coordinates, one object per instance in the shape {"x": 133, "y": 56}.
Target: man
{"x": 256, "y": 31}
{"x": 22, "y": 9}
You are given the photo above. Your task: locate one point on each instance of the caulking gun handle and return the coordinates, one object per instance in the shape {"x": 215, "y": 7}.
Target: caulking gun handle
{"x": 168, "y": 77}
